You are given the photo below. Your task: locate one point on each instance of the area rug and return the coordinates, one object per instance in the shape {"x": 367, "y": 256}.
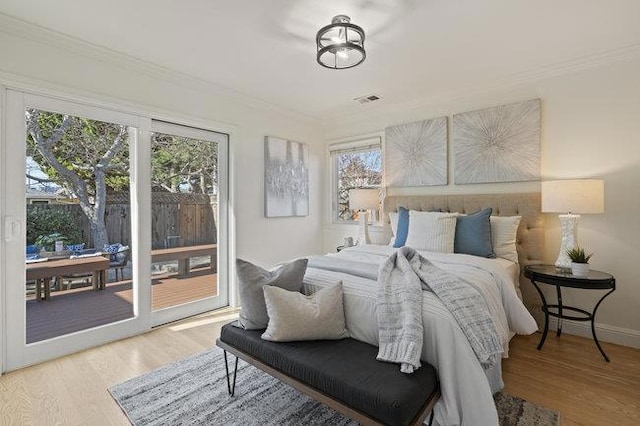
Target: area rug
{"x": 193, "y": 391}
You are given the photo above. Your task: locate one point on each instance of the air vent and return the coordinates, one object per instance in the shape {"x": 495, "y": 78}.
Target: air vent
{"x": 368, "y": 98}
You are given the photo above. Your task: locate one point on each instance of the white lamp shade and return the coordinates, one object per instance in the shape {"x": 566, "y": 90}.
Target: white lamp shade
{"x": 581, "y": 196}
{"x": 364, "y": 199}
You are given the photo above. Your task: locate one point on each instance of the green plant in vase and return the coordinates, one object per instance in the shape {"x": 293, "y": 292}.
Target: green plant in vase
{"x": 579, "y": 261}
{"x": 48, "y": 242}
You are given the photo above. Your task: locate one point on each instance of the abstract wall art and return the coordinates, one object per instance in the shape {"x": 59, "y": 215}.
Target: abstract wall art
{"x": 499, "y": 144}
{"x": 415, "y": 154}
{"x": 286, "y": 178}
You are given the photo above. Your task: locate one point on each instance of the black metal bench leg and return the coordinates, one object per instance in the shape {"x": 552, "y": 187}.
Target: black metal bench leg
{"x": 231, "y": 388}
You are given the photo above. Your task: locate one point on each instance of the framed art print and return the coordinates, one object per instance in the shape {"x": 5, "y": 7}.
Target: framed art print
{"x": 415, "y": 154}
{"x": 286, "y": 178}
{"x": 499, "y": 144}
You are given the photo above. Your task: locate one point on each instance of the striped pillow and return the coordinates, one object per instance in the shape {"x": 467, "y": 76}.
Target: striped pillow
{"x": 504, "y": 230}
{"x": 431, "y": 231}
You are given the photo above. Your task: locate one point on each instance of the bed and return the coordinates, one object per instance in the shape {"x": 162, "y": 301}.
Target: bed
{"x": 467, "y": 388}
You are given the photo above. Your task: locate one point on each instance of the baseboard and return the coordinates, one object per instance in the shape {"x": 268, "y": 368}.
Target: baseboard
{"x": 606, "y": 333}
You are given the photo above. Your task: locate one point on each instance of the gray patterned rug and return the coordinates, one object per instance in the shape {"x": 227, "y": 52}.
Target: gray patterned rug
{"x": 193, "y": 391}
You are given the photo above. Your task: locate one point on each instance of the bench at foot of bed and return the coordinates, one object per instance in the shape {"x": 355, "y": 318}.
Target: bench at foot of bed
{"x": 343, "y": 374}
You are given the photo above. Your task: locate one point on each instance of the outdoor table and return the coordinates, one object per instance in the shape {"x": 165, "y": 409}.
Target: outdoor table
{"x": 42, "y": 272}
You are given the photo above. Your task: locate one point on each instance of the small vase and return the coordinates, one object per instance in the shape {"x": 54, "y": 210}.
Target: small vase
{"x": 580, "y": 269}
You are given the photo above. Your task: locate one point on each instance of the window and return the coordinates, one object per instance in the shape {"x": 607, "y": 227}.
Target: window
{"x": 355, "y": 164}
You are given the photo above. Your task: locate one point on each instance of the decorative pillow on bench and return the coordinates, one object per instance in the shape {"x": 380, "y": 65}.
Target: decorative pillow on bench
{"x": 294, "y": 316}
{"x": 251, "y": 280}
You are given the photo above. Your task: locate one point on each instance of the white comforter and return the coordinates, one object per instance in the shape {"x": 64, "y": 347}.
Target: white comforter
{"x": 467, "y": 390}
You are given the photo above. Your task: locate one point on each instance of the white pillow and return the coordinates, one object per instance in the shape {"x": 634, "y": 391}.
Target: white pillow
{"x": 294, "y": 316}
{"x": 431, "y": 231}
{"x": 503, "y": 236}
{"x": 393, "y": 219}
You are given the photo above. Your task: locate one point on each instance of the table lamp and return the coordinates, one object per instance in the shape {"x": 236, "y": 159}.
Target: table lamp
{"x": 571, "y": 197}
{"x": 364, "y": 200}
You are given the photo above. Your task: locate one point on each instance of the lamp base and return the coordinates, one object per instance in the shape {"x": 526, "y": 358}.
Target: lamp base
{"x": 363, "y": 232}
{"x": 569, "y": 230}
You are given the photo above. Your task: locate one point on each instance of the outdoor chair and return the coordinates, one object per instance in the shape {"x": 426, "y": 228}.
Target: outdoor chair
{"x": 32, "y": 252}
{"x": 118, "y": 260}
{"x": 70, "y": 280}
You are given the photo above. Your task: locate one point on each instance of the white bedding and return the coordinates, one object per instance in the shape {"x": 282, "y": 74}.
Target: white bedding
{"x": 466, "y": 388}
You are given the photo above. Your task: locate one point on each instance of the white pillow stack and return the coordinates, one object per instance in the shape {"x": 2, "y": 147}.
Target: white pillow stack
{"x": 435, "y": 231}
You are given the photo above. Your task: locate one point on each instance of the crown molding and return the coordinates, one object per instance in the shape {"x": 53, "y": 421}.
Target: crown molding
{"x": 510, "y": 81}
{"x": 36, "y": 33}
{"x": 39, "y": 34}
{"x": 100, "y": 100}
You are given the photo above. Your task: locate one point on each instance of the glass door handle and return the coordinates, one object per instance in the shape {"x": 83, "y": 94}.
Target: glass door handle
{"x": 12, "y": 227}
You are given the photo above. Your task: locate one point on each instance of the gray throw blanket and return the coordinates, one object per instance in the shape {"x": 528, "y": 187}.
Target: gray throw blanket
{"x": 401, "y": 280}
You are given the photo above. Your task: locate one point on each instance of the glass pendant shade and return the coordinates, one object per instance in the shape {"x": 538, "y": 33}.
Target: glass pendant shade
{"x": 340, "y": 44}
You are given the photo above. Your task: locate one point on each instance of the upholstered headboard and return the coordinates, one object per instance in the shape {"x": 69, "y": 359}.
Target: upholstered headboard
{"x": 530, "y": 237}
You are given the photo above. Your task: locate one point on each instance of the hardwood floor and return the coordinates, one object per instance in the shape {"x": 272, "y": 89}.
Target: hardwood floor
{"x": 568, "y": 375}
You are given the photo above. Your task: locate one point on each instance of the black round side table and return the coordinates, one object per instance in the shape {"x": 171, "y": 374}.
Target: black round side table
{"x": 549, "y": 274}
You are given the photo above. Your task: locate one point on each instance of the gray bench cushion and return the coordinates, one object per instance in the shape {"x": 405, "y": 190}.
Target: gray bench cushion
{"x": 346, "y": 370}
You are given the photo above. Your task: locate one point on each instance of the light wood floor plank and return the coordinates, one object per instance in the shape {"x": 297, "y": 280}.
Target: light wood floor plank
{"x": 568, "y": 375}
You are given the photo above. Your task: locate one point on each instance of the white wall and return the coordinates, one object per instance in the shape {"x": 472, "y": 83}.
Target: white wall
{"x": 590, "y": 128}
{"x": 32, "y": 57}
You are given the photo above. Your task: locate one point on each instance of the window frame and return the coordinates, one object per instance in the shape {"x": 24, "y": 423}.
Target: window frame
{"x": 361, "y": 144}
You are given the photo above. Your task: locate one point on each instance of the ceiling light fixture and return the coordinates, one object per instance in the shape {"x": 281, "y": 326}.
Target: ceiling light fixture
{"x": 340, "y": 44}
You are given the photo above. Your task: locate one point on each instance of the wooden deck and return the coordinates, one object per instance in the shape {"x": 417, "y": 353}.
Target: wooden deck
{"x": 82, "y": 308}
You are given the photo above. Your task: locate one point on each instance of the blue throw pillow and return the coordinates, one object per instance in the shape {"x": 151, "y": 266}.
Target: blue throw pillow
{"x": 473, "y": 234}
{"x": 113, "y": 250}
{"x": 403, "y": 227}
{"x": 75, "y": 248}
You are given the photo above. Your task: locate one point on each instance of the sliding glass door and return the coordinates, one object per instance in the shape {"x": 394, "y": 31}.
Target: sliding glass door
{"x": 112, "y": 224}
{"x": 188, "y": 227}
{"x": 67, "y": 186}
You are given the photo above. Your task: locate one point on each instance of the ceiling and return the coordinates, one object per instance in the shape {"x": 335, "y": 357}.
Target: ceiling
{"x": 415, "y": 48}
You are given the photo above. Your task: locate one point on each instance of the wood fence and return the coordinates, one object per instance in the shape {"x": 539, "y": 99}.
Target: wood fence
{"x": 176, "y": 219}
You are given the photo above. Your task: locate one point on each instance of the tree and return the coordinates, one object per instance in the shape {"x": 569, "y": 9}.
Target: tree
{"x": 84, "y": 156}
{"x": 90, "y": 159}
{"x": 180, "y": 164}
{"x": 356, "y": 170}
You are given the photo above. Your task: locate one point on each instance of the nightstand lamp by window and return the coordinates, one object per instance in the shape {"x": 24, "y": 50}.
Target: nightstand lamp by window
{"x": 364, "y": 200}
{"x": 571, "y": 197}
